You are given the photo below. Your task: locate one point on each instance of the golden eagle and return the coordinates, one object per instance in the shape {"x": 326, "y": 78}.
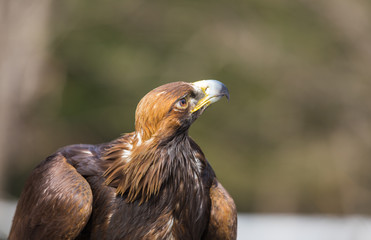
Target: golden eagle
{"x": 153, "y": 183}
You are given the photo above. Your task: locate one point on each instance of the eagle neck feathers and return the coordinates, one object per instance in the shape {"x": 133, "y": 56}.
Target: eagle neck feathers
{"x": 139, "y": 170}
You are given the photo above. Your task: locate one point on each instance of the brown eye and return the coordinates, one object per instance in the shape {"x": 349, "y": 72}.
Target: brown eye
{"x": 182, "y": 103}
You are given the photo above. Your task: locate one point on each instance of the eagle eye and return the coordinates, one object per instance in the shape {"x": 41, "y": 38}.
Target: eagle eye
{"x": 182, "y": 104}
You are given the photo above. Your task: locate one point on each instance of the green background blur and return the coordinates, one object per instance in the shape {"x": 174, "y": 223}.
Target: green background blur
{"x": 295, "y": 135}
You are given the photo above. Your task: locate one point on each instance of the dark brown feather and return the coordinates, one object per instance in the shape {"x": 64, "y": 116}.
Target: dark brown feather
{"x": 56, "y": 203}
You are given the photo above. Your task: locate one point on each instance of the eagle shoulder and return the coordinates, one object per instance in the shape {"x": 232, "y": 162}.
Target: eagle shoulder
{"x": 223, "y": 214}
{"x": 56, "y": 202}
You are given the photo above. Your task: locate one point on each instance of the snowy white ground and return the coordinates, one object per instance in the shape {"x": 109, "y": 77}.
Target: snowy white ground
{"x": 267, "y": 227}
{"x": 299, "y": 227}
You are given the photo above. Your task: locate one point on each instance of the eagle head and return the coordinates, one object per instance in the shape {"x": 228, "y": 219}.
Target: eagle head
{"x": 170, "y": 109}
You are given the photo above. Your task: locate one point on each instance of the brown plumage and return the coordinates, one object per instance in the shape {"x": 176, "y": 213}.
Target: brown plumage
{"x": 154, "y": 183}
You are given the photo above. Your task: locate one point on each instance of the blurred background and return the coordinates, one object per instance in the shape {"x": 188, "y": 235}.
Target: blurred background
{"x": 294, "y": 138}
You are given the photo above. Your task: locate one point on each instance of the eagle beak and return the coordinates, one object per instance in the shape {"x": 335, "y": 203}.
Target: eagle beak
{"x": 213, "y": 91}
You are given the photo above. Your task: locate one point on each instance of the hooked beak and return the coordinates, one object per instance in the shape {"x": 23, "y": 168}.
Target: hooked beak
{"x": 213, "y": 91}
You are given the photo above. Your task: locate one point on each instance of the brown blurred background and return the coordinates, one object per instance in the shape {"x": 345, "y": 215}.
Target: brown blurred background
{"x": 295, "y": 136}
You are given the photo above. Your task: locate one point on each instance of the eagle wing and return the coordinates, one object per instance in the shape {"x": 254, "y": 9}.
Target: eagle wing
{"x": 56, "y": 202}
{"x": 223, "y": 214}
